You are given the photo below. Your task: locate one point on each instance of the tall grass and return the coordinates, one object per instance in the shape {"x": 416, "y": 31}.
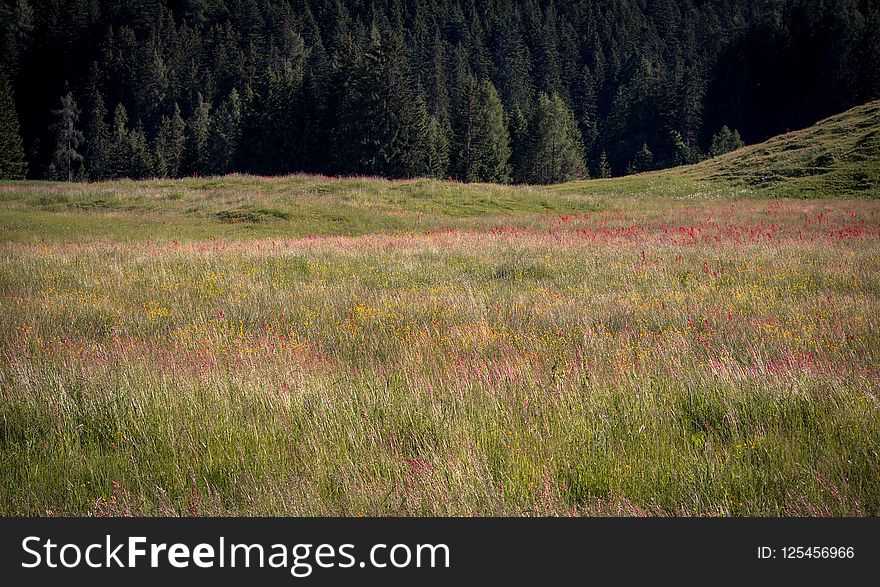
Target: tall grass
{"x": 683, "y": 358}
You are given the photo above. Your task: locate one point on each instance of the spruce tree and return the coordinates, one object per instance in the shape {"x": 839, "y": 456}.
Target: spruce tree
{"x": 426, "y": 153}
{"x": 631, "y": 72}
{"x": 140, "y": 157}
{"x": 724, "y": 141}
{"x": 119, "y": 159}
{"x": 517, "y": 129}
{"x": 467, "y": 115}
{"x": 97, "y": 137}
{"x": 271, "y": 124}
{"x": 198, "y": 130}
{"x": 437, "y": 94}
{"x": 12, "y": 161}
{"x": 314, "y": 98}
{"x": 225, "y": 134}
{"x": 588, "y": 110}
{"x": 482, "y": 150}
{"x": 553, "y": 150}
{"x": 170, "y": 145}
{"x": 68, "y": 137}
{"x": 643, "y": 160}
{"x": 343, "y": 108}
{"x": 545, "y": 41}
{"x": 494, "y": 139}
{"x": 604, "y": 169}
{"x": 391, "y": 126}
{"x": 513, "y": 64}
{"x": 438, "y": 148}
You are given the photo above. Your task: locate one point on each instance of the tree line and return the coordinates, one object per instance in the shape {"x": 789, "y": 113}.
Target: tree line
{"x": 535, "y": 91}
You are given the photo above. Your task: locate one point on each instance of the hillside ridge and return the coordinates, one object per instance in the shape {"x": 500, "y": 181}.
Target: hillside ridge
{"x": 837, "y": 157}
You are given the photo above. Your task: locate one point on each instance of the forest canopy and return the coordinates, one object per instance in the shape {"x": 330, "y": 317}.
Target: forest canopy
{"x": 531, "y": 91}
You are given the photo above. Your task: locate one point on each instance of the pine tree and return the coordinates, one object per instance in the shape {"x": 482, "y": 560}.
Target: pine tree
{"x": 271, "y": 125}
{"x": 513, "y": 65}
{"x": 467, "y": 117}
{"x": 438, "y": 148}
{"x": 97, "y": 137}
{"x": 724, "y": 141}
{"x": 482, "y": 150}
{"x": 588, "y": 110}
{"x": 545, "y": 41}
{"x": 225, "y": 134}
{"x": 421, "y": 154}
{"x": 16, "y": 28}
{"x": 67, "y": 137}
{"x": 119, "y": 160}
{"x": 170, "y": 145}
{"x": 691, "y": 96}
{"x": 517, "y": 129}
{"x": 315, "y": 96}
{"x": 345, "y": 122}
{"x": 632, "y": 72}
{"x": 869, "y": 56}
{"x": 643, "y": 160}
{"x": 198, "y": 129}
{"x": 604, "y": 169}
{"x": 386, "y": 121}
{"x": 140, "y": 157}
{"x": 682, "y": 153}
{"x": 553, "y": 149}
{"x": 12, "y": 161}
{"x": 437, "y": 94}
{"x": 480, "y": 62}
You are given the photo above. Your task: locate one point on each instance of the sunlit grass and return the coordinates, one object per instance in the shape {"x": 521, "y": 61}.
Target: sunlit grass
{"x": 535, "y": 354}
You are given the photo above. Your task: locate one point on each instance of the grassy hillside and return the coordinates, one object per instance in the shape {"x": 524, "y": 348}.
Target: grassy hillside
{"x": 838, "y": 157}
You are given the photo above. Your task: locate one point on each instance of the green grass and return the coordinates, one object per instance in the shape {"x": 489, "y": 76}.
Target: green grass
{"x": 836, "y": 157}
{"x": 251, "y": 207}
{"x": 665, "y": 344}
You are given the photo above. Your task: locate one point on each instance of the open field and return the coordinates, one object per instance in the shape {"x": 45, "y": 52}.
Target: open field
{"x": 837, "y": 157}
{"x": 685, "y": 358}
{"x": 307, "y": 346}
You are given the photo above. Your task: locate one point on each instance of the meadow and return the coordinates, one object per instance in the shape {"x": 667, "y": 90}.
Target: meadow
{"x": 699, "y": 341}
{"x": 500, "y": 351}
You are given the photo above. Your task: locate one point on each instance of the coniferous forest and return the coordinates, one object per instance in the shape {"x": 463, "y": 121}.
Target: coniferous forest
{"x": 532, "y": 91}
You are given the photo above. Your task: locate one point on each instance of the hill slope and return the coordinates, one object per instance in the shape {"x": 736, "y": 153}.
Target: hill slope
{"x": 836, "y": 157}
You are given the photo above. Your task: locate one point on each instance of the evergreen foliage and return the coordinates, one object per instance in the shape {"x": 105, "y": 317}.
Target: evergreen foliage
{"x": 643, "y": 160}
{"x": 12, "y": 162}
{"x": 170, "y": 145}
{"x": 68, "y": 137}
{"x": 604, "y": 169}
{"x": 482, "y": 148}
{"x": 197, "y": 158}
{"x": 224, "y": 135}
{"x": 97, "y": 138}
{"x": 724, "y": 141}
{"x": 388, "y": 88}
{"x": 553, "y": 150}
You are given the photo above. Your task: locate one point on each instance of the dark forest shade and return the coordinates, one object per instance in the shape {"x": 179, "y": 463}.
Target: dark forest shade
{"x": 464, "y": 89}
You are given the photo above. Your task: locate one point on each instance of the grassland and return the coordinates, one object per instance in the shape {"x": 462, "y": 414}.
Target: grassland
{"x": 676, "y": 343}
